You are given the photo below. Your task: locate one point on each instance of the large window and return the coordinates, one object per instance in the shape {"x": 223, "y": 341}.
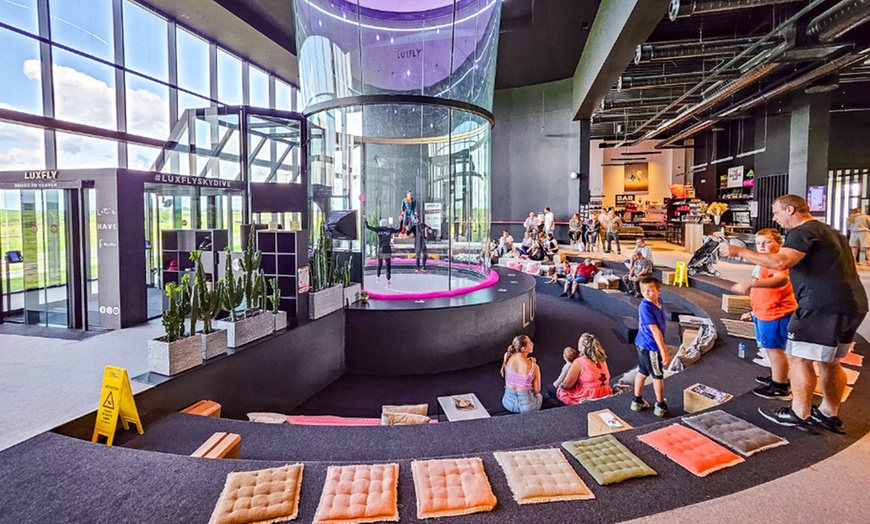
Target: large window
{"x": 229, "y": 76}
{"x": 21, "y": 147}
{"x": 146, "y": 48}
{"x": 147, "y": 108}
{"x": 22, "y": 78}
{"x": 21, "y": 14}
{"x": 259, "y": 88}
{"x": 283, "y": 96}
{"x": 192, "y": 63}
{"x": 84, "y": 90}
{"x": 85, "y": 25}
{"x": 79, "y": 151}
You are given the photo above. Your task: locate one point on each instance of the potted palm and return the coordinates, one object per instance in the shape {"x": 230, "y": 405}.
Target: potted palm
{"x": 326, "y": 294}
{"x": 174, "y": 352}
{"x": 279, "y": 317}
{"x": 206, "y": 305}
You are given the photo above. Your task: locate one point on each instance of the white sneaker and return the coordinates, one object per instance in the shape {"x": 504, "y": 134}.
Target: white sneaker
{"x": 378, "y": 280}
{"x": 763, "y": 362}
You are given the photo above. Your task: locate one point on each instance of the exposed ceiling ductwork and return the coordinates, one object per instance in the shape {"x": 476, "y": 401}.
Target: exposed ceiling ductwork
{"x": 657, "y": 52}
{"x": 675, "y": 79}
{"x": 661, "y": 101}
{"x": 839, "y": 19}
{"x": 683, "y": 8}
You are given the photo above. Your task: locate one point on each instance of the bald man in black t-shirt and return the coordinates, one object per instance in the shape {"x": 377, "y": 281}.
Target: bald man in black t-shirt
{"x": 832, "y": 304}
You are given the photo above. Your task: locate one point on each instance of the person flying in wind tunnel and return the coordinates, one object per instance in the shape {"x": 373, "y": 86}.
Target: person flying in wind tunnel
{"x": 419, "y": 230}
{"x": 385, "y": 250}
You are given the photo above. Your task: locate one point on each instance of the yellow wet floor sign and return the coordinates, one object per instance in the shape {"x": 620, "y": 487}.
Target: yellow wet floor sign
{"x": 116, "y": 401}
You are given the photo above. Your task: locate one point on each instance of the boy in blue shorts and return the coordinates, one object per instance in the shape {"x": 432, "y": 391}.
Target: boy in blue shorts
{"x": 652, "y": 354}
{"x": 772, "y": 299}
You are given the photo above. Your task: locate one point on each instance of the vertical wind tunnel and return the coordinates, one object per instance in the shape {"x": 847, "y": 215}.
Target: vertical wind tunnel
{"x": 398, "y": 96}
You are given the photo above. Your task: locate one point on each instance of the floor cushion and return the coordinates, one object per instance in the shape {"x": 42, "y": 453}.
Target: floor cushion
{"x": 331, "y": 420}
{"x": 361, "y": 493}
{"x": 264, "y": 496}
{"x": 541, "y": 475}
{"x": 451, "y": 487}
{"x": 734, "y": 432}
{"x": 267, "y": 418}
{"x": 690, "y": 449}
{"x": 403, "y": 419}
{"x": 607, "y": 459}
{"x": 416, "y": 409}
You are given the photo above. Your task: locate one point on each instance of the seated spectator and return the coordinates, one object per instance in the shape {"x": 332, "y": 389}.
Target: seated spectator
{"x": 551, "y": 247}
{"x": 640, "y": 267}
{"x": 587, "y": 377}
{"x": 526, "y": 245}
{"x": 505, "y": 243}
{"x": 643, "y": 249}
{"x": 582, "y": 274}
{"x": 531, "y": 223}
{"x": 537, "y": 251}
{"x": 522, "y": 392}
{"x": 575, "y": 232}
{"x": 563, "y": 272}
{"x": 569, "y": 355}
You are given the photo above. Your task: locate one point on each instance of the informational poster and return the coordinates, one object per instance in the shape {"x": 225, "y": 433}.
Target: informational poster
{"x": 816, "y": 199}
{"x": 637, "y": 177}
{"x": 432, "y": 216}
{"x": 303, "y": 275}
{"x": 735, "y": 177}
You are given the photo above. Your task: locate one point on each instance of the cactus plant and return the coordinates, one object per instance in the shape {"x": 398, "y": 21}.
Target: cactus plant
{"x": 322, "y": 264}
{"x": 206, "y": 303}
{"x": 250, "y": 264}
{"x": 275, "y": 295}
{"x": 261, "y": 292}
{"x": 179, "y": 307}
{"x": 233, "y": 290}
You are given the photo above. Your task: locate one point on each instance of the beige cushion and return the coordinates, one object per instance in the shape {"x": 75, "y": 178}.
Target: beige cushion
{"x": 416, "y": 409}
{"x": 451, "y": 487}
{"x": 267, "y": 418}
{"x": 403, "y": 419}
{"x": 541, "y": 475}
{"x": 264, "y": 496}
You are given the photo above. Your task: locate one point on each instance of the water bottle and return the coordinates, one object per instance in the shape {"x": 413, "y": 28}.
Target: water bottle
{"x": 741, "y": 350}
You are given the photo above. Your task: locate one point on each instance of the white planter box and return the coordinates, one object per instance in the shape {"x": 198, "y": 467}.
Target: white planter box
{"x": 325, "y": 302}
{"x": 169, "y": 358}
{"x": 214, "y": 343}
{"x": 279, "y": 320}
{"x": 351, "y": 293}
{"x": 247, "y": 329}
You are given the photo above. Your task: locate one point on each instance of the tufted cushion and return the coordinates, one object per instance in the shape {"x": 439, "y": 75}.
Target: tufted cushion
{"x": 451, "y": 487}
{"x": 403, "y": 419}
{"x": 267, "y": 495}
{"x": 690, "y": 449}
{"x": 852, "y": 359}
{"x": 415, "y": 409}
{"x": 734, "y": 432}
{"x": 541, "y": 475}
{"x": 607, "y": 459}
{"x": 366, "y": 493}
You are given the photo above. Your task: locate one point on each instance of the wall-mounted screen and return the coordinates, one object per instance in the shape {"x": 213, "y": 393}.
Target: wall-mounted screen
{"x": 817, "y": 199}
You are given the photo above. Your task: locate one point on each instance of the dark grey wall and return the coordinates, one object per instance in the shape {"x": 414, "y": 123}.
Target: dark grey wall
{"x": 849, "y": 144}
{"x": 531, "y": 167}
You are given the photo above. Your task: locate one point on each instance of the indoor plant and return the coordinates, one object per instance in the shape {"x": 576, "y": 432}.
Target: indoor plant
{"x": 251, "y": 325}
{"x": 206, "y": 304}
{"x": 174, "y": 352}
{"x": 326, "y": 294}
{"x": 279, "y": 317}
{"x": 351, "y": 289}
{"x": 716, "y": 209}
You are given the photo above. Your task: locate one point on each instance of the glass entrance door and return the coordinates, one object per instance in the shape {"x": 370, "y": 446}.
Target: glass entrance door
{"x": 36, "y": 241}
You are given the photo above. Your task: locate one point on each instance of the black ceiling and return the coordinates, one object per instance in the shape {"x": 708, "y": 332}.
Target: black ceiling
{"x": 541, "y": 40}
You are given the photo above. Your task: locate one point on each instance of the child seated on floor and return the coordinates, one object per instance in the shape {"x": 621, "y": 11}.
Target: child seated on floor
{"x": 570, "y": 355}
{"x": 562, "y": 272}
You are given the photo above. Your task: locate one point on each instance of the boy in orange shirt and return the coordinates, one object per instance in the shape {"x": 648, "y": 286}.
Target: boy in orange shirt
{"x": 773, "y": 302}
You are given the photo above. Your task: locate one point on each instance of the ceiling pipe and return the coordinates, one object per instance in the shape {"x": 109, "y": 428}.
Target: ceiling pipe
{"x": 684, "y": 8}
{"x": 839, "y": 20}
{"x": 660, "y": 101}
{"x": 717, "y": 95}
{"x": 689, "y": 131}
{"x": 646, "y": 53}
{"x": 675, "y": 79}
{"x": 777, "y": 32}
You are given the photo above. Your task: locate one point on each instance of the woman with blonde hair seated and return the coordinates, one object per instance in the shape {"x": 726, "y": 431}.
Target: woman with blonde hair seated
{"x": 522, "y": 376}
{"x": 588, "y": 377}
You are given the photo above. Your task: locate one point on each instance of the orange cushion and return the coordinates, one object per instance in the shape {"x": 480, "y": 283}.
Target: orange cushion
{"x": 451, "y": 487}
{"x": 690, "y": 449}
{"x": 267, "y": 495}
{"x": 363, "y": 493}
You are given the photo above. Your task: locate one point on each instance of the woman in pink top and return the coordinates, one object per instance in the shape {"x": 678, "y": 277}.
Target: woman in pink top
{"x": 522, "y": 391}
{"x": 588, "y": 377}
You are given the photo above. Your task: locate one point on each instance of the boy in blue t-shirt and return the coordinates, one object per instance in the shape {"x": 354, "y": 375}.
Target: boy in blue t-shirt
{"x": 652, "y": 354}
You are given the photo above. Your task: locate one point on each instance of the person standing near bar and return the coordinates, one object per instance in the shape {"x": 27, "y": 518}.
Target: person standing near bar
{"x": 831, "y": 303}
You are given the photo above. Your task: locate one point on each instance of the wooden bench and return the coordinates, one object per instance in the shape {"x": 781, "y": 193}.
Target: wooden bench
{"x": 205, "y": 408}
{"x": 220, "y": 445}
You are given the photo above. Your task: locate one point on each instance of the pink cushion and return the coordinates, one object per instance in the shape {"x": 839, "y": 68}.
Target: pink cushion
{"x": 332, "y": 420}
